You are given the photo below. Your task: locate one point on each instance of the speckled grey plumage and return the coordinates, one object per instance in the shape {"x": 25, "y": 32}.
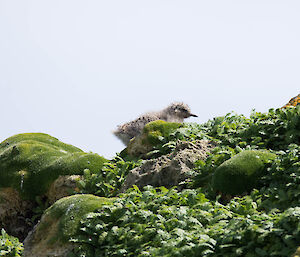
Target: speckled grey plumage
{"x": 175, "y": 112}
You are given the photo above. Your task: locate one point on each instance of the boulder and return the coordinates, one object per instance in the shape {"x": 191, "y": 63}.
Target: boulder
{"x": 59, "y": 224}
{"x": 171, "y": 169}
{"x": 37, "y": 166}
{"x": 241, "y": 173}
{"x": 63, "y": 186}
{"x": 29, "y": 163}
{"x": 15, "y": 213}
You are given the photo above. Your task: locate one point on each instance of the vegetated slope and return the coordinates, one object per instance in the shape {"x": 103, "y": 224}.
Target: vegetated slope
{"x": 199, "y": 221}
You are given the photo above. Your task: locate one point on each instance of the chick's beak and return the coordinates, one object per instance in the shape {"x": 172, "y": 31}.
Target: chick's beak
{"x": 193, "y": 115}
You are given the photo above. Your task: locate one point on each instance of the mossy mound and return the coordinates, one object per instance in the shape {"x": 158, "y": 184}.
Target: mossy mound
{"x": 30, "y": 162}
{"x": 154, "y": 133}
{"x": 59, "y": 224}
{"x": 241, "y": 173}
{"x": 67, "y": 213}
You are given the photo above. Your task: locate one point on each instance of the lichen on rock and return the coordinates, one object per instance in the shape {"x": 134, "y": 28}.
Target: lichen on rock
{"x": 241, "y": 173}
{"x": 293, "y": 102}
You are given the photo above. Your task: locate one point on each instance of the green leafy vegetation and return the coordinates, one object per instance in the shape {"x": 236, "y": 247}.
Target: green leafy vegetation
{"x": 262, "y": 220}
{"x": 162, "y": 222}
{"x": 9, "y": 245}
{"x": 273, "y": 130}
{"x": 107, "y": 181}
{"x": 281, "y": 188}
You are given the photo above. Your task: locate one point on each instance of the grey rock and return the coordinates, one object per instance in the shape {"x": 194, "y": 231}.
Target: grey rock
{"x": 63, "y": 186}
{"x": 40, "y": 248}
{"x": 169, "y": 170}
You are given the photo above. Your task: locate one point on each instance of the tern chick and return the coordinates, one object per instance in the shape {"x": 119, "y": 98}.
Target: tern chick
{"x": 175, "y": 112}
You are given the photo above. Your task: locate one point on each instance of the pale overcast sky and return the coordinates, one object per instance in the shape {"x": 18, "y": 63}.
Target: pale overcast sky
{"x": 76, "y": 69}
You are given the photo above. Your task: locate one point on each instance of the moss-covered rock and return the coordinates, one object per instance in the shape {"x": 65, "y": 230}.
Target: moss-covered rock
{"x": 155, "y": 130}
{"x": 153, "y": 134}
{"x": 30, "y": 162}
{"x": 59, "y": 224}
{"x": 241, "y": 173}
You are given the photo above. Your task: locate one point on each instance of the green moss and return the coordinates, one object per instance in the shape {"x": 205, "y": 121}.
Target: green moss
{"x": 31, "y": 162}
{"x": 156, "y": 130}
{"x": 39, "y": 137}
{"x": 62, "y": 220}
{"x": 241, "y": 173}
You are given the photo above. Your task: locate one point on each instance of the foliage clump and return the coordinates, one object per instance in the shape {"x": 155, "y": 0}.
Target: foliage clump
{"x": 106, "y": 181}
{"x": 162, "y": 222}
{"x": 275, "y": 129}
{"x": 10, "y": 246}
{"x": 281, "y": 182}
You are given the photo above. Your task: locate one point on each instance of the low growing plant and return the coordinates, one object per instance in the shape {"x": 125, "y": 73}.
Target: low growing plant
{"x": 9, "y": 245}
{"x": 162, "y": 222}
{"x": 107, "y": 181}
{"x": 196, "y": 221}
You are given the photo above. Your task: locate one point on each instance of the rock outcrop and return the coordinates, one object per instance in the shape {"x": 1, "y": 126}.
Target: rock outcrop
{"x": 15, "y": 213}
{"x": 171, "y": 169}
{"x": 37, "y": 165}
